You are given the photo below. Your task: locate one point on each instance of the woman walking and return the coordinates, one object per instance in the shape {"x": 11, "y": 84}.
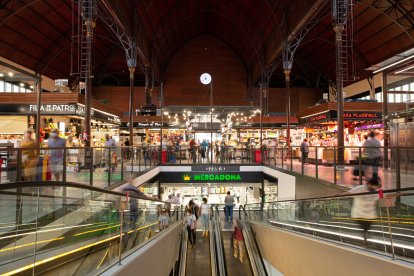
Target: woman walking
{"x": 205, "y": 215}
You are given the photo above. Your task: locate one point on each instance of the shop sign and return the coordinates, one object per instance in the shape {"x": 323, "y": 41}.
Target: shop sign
{"x": 207, "y": 168}
{"x": 154, "y": 125}
{"x": 316, "y": 118}
{"x": 57, "y": 109}
{"x": 208, "y": 177}
{"x": 257, "y": 125}
{"x": 362, "y": 115}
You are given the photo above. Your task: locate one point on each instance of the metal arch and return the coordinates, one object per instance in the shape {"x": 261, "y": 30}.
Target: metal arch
{"x": 127, "y": 42}
{"x": 46, "y": 54}
{"x": 290, "y": 47}
{"x": 19, "y": 10}
{"x": 204, "y": 11}
{"x": 395, "y": 5}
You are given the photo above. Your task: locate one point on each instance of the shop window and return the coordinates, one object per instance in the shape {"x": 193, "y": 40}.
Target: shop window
{"x": 8, "y": 87}
{"x": 378, "y": 96}
{"x": 397, "y": 98}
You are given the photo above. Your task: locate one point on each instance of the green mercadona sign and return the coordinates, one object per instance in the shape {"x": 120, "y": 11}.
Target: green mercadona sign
{"x": 201, "y": 177}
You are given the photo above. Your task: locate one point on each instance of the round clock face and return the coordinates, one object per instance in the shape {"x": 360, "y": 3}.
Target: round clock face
{"x": 205, "y": 78}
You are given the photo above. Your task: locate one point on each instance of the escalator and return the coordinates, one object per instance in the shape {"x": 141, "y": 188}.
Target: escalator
{"x": 221, "y": 250}
{"x": 71, "y": 229}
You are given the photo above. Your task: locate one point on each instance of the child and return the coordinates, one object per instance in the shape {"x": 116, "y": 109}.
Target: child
{"x": 190, "y": 220}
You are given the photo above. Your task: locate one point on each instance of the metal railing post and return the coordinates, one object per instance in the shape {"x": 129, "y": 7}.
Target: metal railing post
{"x": 334, "y": 164}
{"x": 19, "y": 165}
{"x": 360, "y": 165}
{"x": 121, "y": 221}
{"x": 109, "y": 166}
{"x": 122, "y": 163}
{"x": 91, "y": 168}
{"x": 291, "y": 160}
{"x": 64, "y": 165}
{"x": 316, "y": 163}
{"x": 282, "y": 157}
{"x": 132, "y": 155}
{"x": 398, "y": 169}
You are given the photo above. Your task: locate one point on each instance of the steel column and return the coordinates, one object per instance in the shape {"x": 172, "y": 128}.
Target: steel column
{"x": 385, "y": 120}
{"x": 131, "y": 105}
{"x": 287, "y": 81}
{"x": 38, "y": 111}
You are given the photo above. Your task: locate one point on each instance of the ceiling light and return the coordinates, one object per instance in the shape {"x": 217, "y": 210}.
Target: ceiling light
{"x": 10, "y": 74}
{"x": 21, "y": 84}
{"x": 31, "y": 86}
{"x": 1, "y": 75}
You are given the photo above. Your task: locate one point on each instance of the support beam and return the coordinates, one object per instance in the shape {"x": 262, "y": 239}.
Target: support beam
{"x": 131, "y": 105}
{"x": 339, "y": 28}
{"x": 287, "y": 81}
{"x": 386, "y": 121}
{"x": 38, "y": 84}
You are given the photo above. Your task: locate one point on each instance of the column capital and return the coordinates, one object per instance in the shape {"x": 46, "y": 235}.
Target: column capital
{"x": 131, "y": 72}
{"x": 287, "y": 74}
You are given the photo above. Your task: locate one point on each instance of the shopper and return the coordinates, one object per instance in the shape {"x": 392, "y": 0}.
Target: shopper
{"x": 304, "y": 148}
{"x": 228, "y": 207}
{"x": 163, "y": 219}
{"x": 192, "y": 144}
{"x": 238, "y": 242}
{"x": 203, "y": 148}
{"x": 194, "y": 207}
{"x": 111, "y": 153}
{"x": 190, "y": 220}
{"x": 30, "y": 153}
{"x": 127, "y": 149}
{"x": 364, "y": 207}
{"x": 56, "y": 144}
{"x": 132, "y": 192}
{"x": 205, "y": 216}
{"x": 373, "y": 152}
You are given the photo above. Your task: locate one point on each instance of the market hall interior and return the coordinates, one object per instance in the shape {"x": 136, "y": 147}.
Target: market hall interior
{"x": 118, "y": 119}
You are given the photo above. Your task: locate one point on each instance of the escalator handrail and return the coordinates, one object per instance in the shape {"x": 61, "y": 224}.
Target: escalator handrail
{"x": 221, "y": 264}
{"x": 213, "y": 252}
{"x": 253, "y": 251}
{"x": 183, "y": 253}
{"x": 393, "y": 191}
{"x": 42, "y": 184}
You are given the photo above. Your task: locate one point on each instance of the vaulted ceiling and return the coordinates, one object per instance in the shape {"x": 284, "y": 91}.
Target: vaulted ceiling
{"x": 38, "y": 33}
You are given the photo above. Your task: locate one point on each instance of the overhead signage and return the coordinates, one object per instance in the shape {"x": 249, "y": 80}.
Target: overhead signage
{"x": 211, "y": 177}
{"x": 212, "y": 168}
{"x": 348, "y": 116}
{"x": 362, "y": 115}
{"x": 239, "y": 125}
{"x": 320, "y": 117}
{"x": 154, "y": 125}
{"x": 57, "y": 109}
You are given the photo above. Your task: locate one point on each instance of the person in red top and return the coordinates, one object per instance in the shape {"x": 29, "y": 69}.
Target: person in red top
{"x": 238, "y": 242}
{"x": 193, "y": 150}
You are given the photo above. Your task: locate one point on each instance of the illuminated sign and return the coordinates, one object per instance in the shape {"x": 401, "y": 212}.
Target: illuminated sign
{"x": 210, "y": 177}
{"x": 232, "y": 177}
{"x": 362, "y": 115}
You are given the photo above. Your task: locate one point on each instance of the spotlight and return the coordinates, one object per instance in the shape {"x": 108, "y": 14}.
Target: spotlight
{"x": 21, "y": 84}
{"x": 10, "y": 74}
{"x": 1, "y": 75}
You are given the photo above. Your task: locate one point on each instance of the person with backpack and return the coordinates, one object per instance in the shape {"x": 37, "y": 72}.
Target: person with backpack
{"x": 191, "y": 221}
{"x": 304, "y": 149}
{"x": 205, "y": 214}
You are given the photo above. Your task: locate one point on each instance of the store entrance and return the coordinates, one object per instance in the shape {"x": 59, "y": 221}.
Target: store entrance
{"x": 215, "y": 193}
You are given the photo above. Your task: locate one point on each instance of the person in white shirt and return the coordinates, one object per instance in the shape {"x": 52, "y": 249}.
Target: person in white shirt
{"x": 205, "y": 214}
{"x": 373, "y": 152}
{"x": 364, "y": 207}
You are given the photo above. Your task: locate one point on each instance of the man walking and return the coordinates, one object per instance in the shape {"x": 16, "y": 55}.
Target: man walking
{"x": 373, "y": 152}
